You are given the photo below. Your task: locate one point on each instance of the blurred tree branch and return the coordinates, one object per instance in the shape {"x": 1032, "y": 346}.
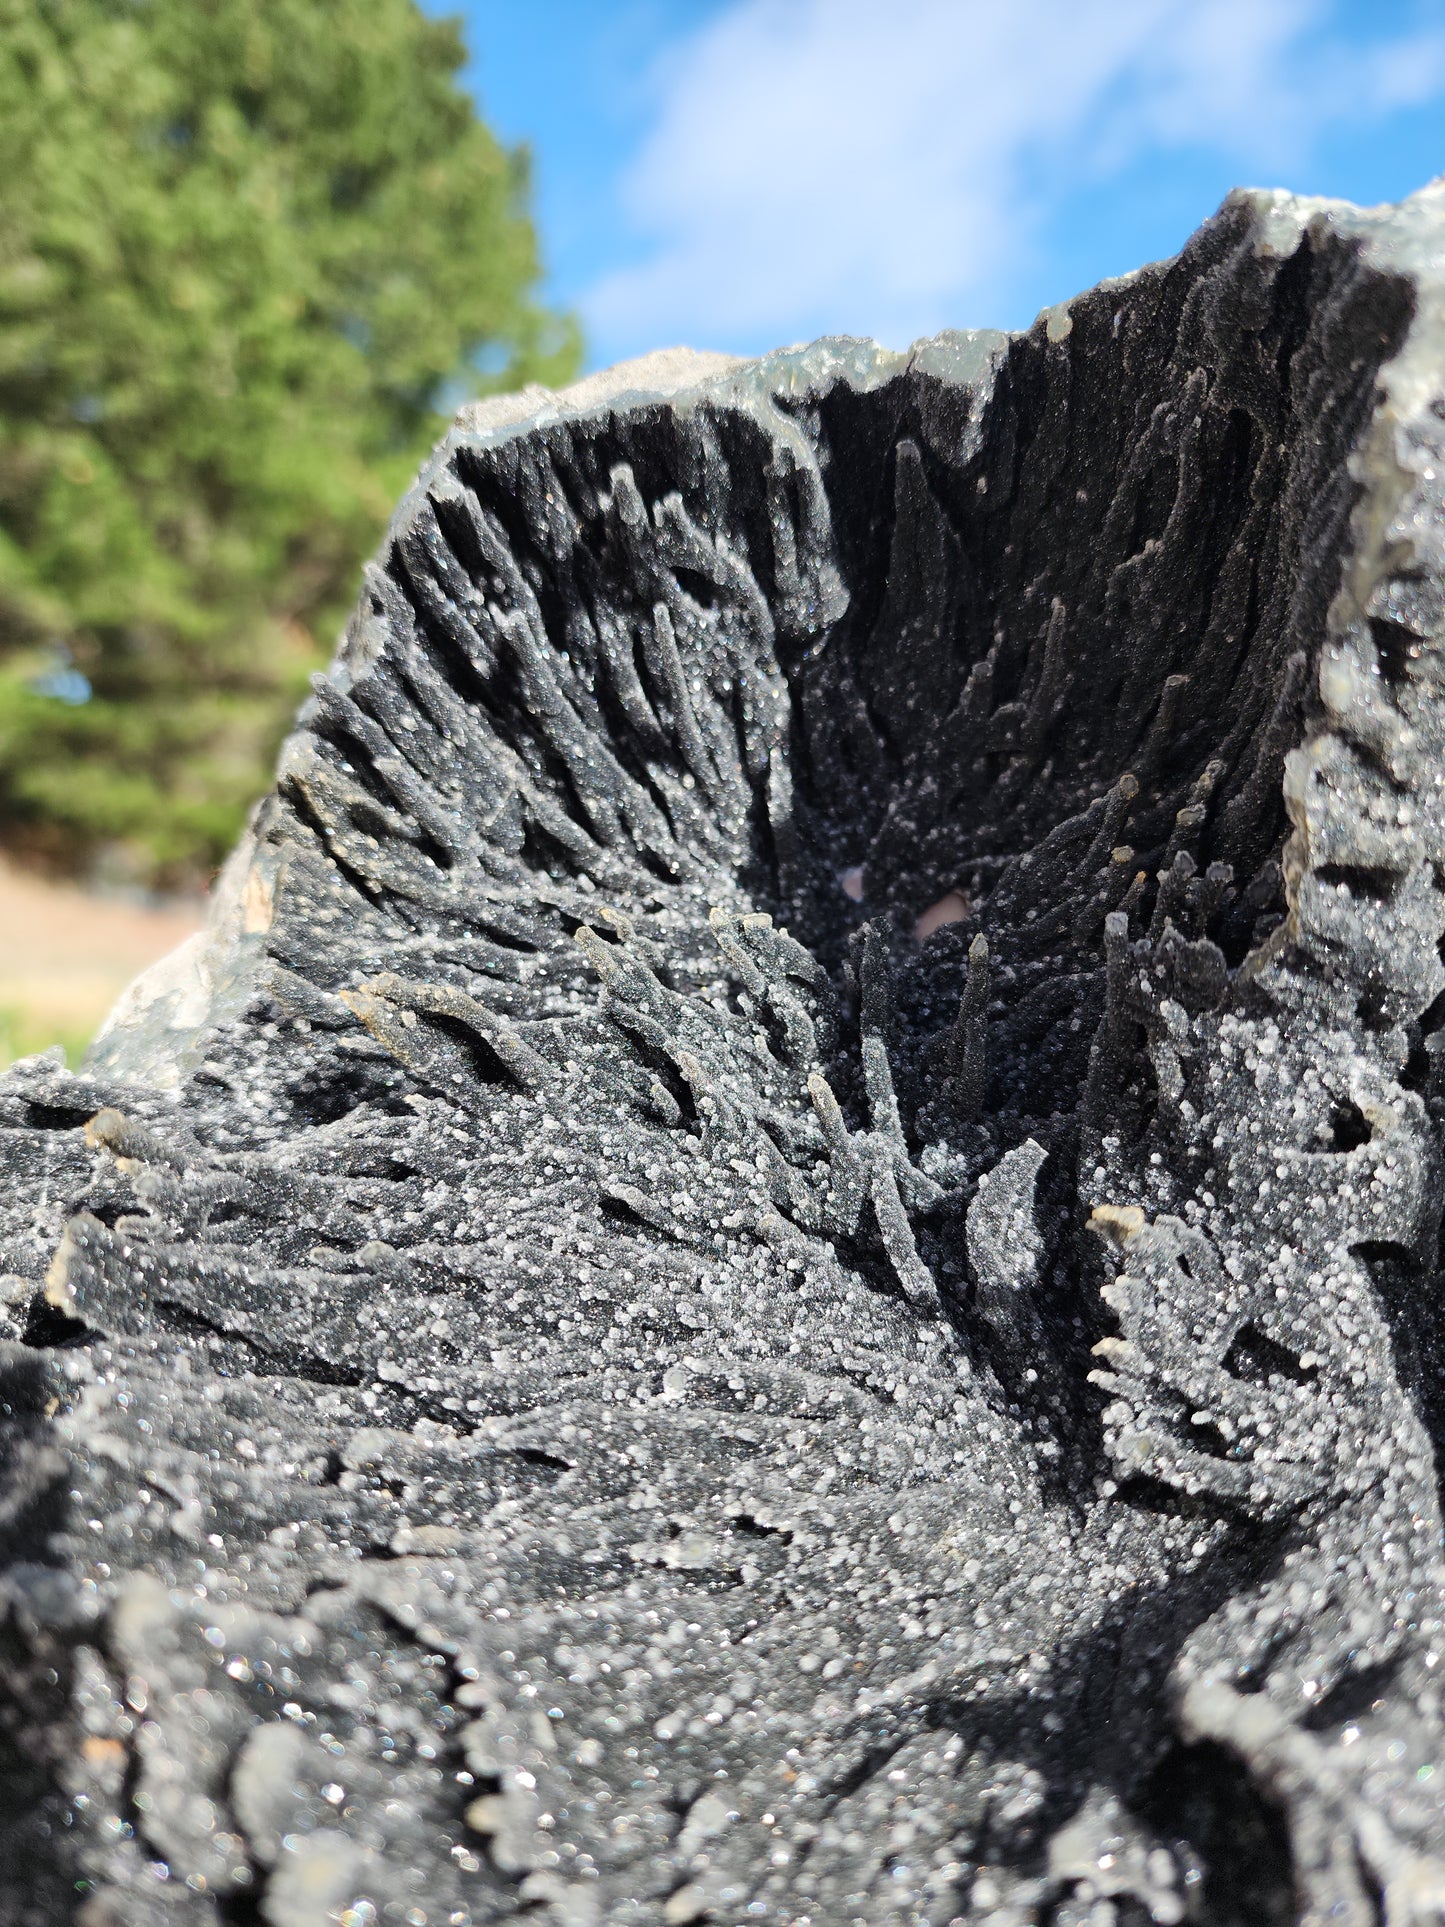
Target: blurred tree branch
{"x": 248, "y": 248}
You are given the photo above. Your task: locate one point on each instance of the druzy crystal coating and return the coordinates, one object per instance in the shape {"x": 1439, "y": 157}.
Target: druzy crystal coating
{"x": 780, "y": 1258}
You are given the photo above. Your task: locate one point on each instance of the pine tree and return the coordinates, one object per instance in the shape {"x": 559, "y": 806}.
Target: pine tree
{"x": 248, "y": 250}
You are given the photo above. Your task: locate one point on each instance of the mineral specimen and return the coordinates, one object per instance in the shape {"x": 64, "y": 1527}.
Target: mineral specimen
{"x": 780, "y": 1259}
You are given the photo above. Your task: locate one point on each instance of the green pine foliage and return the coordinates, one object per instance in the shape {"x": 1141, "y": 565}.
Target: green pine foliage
{"x": 248, "y": 250}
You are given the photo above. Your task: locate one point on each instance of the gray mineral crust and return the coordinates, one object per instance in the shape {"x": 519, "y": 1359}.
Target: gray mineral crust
{"x": 780, "y": 1259}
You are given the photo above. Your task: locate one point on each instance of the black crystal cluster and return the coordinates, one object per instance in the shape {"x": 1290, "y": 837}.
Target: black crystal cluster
{"x": 780, "y": 1259}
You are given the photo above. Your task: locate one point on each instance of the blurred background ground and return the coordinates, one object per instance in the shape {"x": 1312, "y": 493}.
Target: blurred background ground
{"x": 254, "y": 253}
{"x": 67, "y": 953}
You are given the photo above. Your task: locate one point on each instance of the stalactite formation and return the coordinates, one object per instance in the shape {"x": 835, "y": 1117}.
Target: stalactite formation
{"x": 780, "y": 1260}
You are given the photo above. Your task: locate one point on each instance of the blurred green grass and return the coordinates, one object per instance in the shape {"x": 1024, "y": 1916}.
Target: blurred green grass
{"x": 24, "y": 1032}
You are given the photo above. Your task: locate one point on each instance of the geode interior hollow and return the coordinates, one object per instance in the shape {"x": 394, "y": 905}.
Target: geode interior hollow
{"x": 780, "y": 1258}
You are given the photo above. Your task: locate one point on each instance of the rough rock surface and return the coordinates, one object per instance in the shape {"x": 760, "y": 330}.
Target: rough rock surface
{"x": 562, "y": 1363}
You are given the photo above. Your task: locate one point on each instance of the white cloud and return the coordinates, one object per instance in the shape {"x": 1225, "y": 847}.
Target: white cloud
{"x": 880, "y": 168}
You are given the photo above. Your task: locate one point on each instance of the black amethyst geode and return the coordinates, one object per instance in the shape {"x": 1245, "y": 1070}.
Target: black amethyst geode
{"x": 780, "y": 1260}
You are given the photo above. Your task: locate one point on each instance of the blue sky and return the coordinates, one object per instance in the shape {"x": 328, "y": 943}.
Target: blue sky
{"x": 742, "y": 173}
